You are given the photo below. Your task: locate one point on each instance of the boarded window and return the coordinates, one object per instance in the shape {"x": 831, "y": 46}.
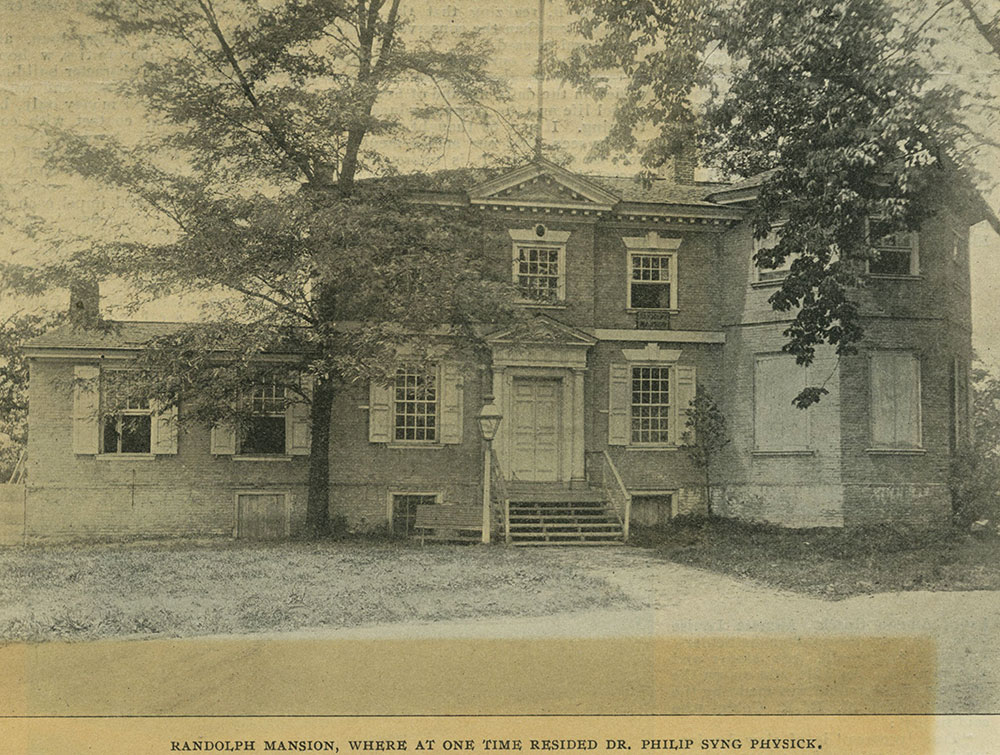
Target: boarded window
{"x": 404, "y": 510}
{"x": 895, "y": 399}
{"x": 651, "y": 509}
{"x": 778, "y": 424}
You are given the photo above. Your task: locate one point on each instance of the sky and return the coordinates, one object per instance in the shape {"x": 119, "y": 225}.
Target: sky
{"x": 47, "y": 76}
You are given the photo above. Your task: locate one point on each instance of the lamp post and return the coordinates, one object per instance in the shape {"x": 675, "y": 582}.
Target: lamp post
{"x": 489, "y": 421}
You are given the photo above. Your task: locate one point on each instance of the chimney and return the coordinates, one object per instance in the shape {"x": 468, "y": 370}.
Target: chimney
{"x": 84, "y": 303}
{"x": 685, "y": 163}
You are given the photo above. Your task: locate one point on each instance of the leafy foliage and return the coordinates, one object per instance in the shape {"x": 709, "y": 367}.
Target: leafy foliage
{"x": 264, "y": 184}
{"x": 14, "y": 332}
{"x": 825, "y": 101}
{"x": 975, "y": 472}
{"x": 706, "y": 435}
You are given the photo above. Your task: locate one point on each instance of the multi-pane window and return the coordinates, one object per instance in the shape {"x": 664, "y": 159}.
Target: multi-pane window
{"x": 404, "y": 510}
{"x": 650, "y": 404}
{"x": 768, "y": 274}
{"x": 415, "y": 410}
{"x": 538, "y": 272}
{"x": 264, "y": 432}
{"x": 895, "y": 253}
{"x": 650, "y": 280}
{"x": 128, "y": 429}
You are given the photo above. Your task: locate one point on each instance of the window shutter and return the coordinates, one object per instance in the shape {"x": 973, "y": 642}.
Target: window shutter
{"x": 379, "y": 413}
{"x": 451, "y": 403}
{"x": 298, "y": 432}
{"x": 164, "y": 429}
{"x": 619, "y": 401}
{"x": 223, "y": 441}
{"x": 685, "y": 391}
{"x": 86, "y": 403}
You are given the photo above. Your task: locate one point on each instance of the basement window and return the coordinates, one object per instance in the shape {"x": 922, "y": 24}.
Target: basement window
{"x": 404, "y": 510}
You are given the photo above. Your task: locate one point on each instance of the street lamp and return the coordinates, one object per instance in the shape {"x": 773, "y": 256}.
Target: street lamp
{"x": 489, "y": 421}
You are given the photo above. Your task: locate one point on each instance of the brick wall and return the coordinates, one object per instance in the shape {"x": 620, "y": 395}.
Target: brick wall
{"x": 191, "y": 493}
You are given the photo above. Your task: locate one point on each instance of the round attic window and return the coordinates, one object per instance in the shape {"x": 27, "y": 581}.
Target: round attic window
{"x": 539, "y": 230}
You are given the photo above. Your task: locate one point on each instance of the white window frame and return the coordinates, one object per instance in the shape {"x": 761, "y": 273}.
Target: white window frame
{"x": 881, "y": 448}
{"x": 672, "y": 437}
{"x": 913, "y": 248}
{"x": 250, "y": 399}
{"x": 128, "y": 411}
{"x": 540, "y": 237}
{"x": 671, "y": 281}
{"x": 771, "y": 276}
{"x": 433, "y": 371}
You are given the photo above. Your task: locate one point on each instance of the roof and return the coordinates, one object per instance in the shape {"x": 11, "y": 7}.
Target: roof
{"x": 661, "y": 190}
{"x": 113, "y": 334}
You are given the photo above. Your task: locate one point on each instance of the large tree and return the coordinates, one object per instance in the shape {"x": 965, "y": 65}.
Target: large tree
{"x": 267, "y": 181}
{"x": 827, "y": 101}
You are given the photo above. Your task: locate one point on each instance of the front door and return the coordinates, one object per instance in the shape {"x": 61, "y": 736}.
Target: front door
{"x": 535, "y": 430}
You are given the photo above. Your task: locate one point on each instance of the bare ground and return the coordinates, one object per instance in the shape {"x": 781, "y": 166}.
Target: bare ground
{"x": 346, "y": 590}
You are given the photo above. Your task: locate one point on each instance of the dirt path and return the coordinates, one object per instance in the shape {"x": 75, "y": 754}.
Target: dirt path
{"x": 680, "y": 601}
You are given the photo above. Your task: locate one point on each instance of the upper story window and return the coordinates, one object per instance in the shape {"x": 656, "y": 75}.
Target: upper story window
{"x": 896, "y": 252}
{"x": 539, "y": 273}
{"x": 651, "y": 272}
{"x": 539, "y": 263}
{"x": 264, "y": 432}
{"x": 415, "y": 405}
{"x": 129, "y": 429}
{"x": 771, "y": 274}
{"x": 651, "y": 280}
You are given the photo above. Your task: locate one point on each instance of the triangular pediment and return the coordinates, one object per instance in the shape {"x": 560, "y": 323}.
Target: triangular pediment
{"x": 544, "y": 183}
{"x": 543, "y": 329}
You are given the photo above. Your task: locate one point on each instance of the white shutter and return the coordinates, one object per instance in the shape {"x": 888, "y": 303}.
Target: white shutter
{"x": 223, "y": 441}
{"x": 164, "y": 429}
{"x": 86, "y": 405}
{"x": 451, "y": 403}
{"x": 298, "y": 432}
{"x": 686, "y": 385}
{"x": 619, "y": 403}
{"x": 379, "y": 413}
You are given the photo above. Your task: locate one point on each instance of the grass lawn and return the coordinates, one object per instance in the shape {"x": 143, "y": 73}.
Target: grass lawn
{"x": 831, "y": 563}
{"x": 227, "y": 587}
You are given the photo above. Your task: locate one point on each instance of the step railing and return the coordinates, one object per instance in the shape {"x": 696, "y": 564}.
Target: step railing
{"x": 499, "y": 497}
{"x": 615, "y": 492}
{"x": 17, "y": 476}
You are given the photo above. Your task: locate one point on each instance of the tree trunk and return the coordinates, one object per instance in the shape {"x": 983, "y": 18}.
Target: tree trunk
{"x": 318, "y": 501}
